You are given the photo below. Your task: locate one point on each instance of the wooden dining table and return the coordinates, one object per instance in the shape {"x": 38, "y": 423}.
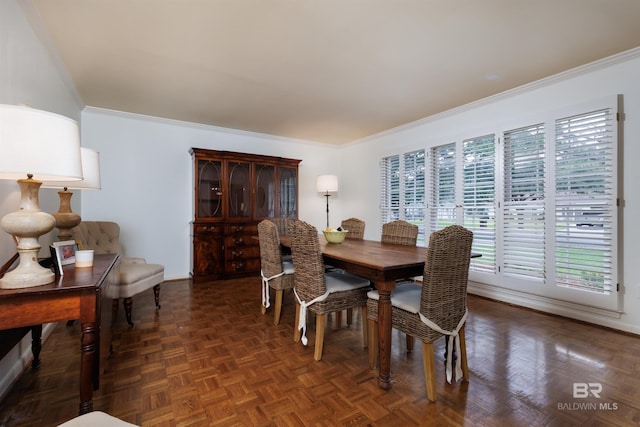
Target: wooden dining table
{"x": 383, "y": 264}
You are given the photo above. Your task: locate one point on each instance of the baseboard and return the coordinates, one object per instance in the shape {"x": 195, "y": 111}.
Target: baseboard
{"x": 596, "y": 316}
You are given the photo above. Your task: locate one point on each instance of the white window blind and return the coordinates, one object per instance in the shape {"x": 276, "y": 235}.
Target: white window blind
{"x": 390, "y": 188}
{"x": 414, "y": 191}
{"x": 442, "y": 205}
{"x": 524, "y": 203}
{"x": 479, "y": 192}
{"x": 585, "y": 201}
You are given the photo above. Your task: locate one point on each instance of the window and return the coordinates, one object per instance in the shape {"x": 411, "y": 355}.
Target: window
{"x": 414, "y": 206}
{"x": 541, "y": 201}
{"x": 404, "y": 198}
{"x": 585, "y": 201}
{"x": 479, "y": 193}
{"x": 390, "y": 185}
{"x": 442, "y": 194}
{"x": 523, "y": 210}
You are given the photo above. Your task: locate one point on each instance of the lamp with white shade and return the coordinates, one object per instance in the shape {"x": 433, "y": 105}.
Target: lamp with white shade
{"x": 66, "y": 219}
{"x": 35, "y": 145}
{"x": 327, "y": 184}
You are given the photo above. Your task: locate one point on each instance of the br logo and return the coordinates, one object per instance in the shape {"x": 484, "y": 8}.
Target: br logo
{"x": 584, "y": 390}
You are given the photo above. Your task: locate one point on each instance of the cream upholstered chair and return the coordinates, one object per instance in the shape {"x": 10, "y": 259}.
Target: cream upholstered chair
{"x": 319, "y": 292}
{"x": 136, "y": 275}
{"x": 275, "y": 272}
{"x": 437, "y": 308}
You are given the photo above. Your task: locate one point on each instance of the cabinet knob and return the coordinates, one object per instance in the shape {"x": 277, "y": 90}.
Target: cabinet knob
{"x": 238, "y": 240}
{"x": 237, "y": 253}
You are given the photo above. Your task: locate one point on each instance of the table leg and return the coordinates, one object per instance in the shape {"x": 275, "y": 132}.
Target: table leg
{"x": 36, "y": 345}
{"x": 384, "y": 334}
{"x": 87, "y": 358}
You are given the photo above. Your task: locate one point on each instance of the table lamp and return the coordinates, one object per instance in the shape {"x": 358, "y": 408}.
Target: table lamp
{"x": 65, "y": 218}
{"x": 35, "y": 145}
{"x": 327, "y": 184}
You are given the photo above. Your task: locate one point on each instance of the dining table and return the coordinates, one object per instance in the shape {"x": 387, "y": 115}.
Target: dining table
{"x": 383, "y": 264}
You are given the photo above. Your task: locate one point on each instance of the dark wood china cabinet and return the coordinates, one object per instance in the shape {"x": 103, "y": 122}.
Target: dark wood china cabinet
{"x": 232, "y": 193}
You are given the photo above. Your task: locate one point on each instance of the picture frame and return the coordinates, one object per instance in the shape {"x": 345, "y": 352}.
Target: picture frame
{"x": 65, "y": 252}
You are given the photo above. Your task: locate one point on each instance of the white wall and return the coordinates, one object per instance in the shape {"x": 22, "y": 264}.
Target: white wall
{"x": 28, "y": 75}
{"x": 616, "y": 75}
{"x": 147, "y": 179}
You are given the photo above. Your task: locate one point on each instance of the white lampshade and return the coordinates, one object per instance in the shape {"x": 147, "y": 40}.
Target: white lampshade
{"x": 40, "y": 143}
{"x": 327, "y": 183}
{"x": 90, "y": 172}
{"x": 35, "y": 145}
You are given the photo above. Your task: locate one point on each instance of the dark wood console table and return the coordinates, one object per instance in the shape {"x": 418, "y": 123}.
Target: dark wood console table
{"x": 78, "y": 294}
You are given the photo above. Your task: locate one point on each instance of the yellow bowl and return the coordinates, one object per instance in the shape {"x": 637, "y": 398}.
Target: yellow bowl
{"x": 335, "y": 236}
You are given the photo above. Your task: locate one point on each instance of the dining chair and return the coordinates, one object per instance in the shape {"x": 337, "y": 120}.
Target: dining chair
{"x": 399, "y": 232}
{"x": 355, "y": 226}
{"x": 437, "y": 308}
{"x": 321, "y": 292}
{"x": 276, "y": 272}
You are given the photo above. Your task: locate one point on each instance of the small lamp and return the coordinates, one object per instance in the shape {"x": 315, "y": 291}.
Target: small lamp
{"x": 66, "y": 219}
{"x": 34, "y": 143}
{"x": 327, "y": 184}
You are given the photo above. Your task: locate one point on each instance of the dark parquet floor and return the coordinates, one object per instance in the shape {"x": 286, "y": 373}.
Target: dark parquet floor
{"x": 209, "y": 358}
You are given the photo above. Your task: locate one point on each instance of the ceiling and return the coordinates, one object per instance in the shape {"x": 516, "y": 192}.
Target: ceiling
{"x": 331, "y": 71}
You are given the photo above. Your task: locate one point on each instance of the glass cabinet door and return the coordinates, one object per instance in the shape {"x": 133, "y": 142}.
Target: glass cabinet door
{"x": 265, "y": 177}
{"x": 287, "y": 178}
{"x": 209, "y": 203}
{"x": 239, "y": 189}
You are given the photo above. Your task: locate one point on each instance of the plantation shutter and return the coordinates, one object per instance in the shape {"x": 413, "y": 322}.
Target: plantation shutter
{"x": 524, "y": 203}
{"x": 442, "y": 207}
{"x": 390, "y": 189}
{"x": 414, "y": 191}
{"x": 585, "y": 201}
{"x": 479, "y": 194}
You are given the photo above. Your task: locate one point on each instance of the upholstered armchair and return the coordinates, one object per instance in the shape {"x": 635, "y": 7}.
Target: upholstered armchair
{"x": 136, "y": 275}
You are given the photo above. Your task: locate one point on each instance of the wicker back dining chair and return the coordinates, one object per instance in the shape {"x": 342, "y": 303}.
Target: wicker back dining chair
{"x": 318, "y": 291}
{"x": 437, "y": 308}
{"x": 276, "y": 273}
{"x": 400, "y": 232}
{"x": 355, "y": 226}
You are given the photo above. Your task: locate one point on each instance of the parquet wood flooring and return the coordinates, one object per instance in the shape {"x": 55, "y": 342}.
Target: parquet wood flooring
{"x": 210, "y": 358}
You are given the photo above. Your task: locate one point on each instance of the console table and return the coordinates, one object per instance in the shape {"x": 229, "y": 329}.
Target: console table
{"x": 78, "y": 294}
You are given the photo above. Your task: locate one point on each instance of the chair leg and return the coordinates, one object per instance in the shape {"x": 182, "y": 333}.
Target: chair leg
{"x": 320, "y": 322}
{"x": 349, "y": 316}
{"x": 114, "y": 310}
{"x": 365, "y": 331}
{"x": 128, "y": 304}
{"x": 156, "y": 295}
{"x": 409, "y": 343}
{"x": 463, "y": 355}
{"x": 296, "y": 331}
{"x": 372, "y": 326}
{"x": 339, "y": 319}
{"x": 278, "y": 307}
{"x": 428, "y": 360}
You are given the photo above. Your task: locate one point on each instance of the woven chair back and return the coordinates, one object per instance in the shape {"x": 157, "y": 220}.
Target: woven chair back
{"x": 307, "y": 260}
{"x": 355, "y": 226}
{"x": 270, "y": 253}
{"x": 400, "y": 233}
{"x": 445, "y": 277}
{"x": 282, "y": 224}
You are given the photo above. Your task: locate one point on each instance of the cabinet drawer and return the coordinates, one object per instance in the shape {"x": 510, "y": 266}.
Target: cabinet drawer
{"x": 249, "y": 229}
{"x": 243, "y": 265}
{"x": 207, "y": 228}
{"x": 242, "y": 252}
{"x": 240, "y": 240}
